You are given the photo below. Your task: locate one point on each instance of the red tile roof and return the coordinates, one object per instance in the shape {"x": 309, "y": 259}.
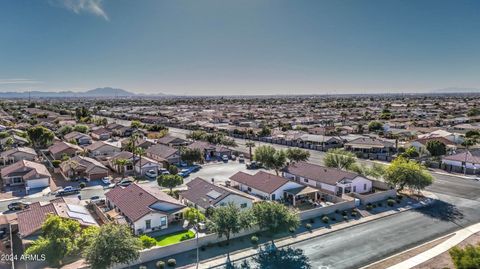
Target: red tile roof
{"x": 261, "y": 181}
{"x": 134, "y": 201}
{"x": 31, "y": 220}
{"x": 319, "y": 173}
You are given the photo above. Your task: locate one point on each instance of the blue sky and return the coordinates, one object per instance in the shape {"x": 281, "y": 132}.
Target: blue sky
{"x": 227, "y": 47}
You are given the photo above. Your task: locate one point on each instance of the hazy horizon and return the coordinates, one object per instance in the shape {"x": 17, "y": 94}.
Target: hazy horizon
{"x": 252, "y": 47}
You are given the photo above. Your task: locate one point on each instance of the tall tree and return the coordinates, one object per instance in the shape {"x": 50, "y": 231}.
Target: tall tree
{"x": 57, "y": 241}
{"x": 285, "y": 258}
{"x": 270, "y": 158}
{"x": 121, "y": 163}
{"x": 375, "y": 126}
{"x": 230, "y": 219}
{"x": 406, "y": 173}
{"x": 250, "y": 145}
{"x": 339, "y": 158}
{"x": 191, "y": 155}
{"x": 40, "y": 136}
{"x": 140, "y": 152}
{"x": 275, "y": 217}
{"x": 436, "y": 148}
{"x": 169, "y": 181}
{"x": 194, "y": 218}
{"x": 297, "y": 155}
{"x": 113, "y": 244}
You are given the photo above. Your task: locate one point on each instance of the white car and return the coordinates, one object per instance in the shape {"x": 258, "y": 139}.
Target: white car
{"x": 225, "y": 158}
{"x": 151, "y": 174}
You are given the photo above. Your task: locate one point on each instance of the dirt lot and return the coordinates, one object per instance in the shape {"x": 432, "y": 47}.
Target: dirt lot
{"x": 444, "y": 260}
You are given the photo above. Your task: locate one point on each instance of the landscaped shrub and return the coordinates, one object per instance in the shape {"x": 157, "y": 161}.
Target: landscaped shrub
{"x": 354, "y": 213}
{"x": 369, "y": 207}
{"x": 254, "y": 240}
{"x": 186, "y": 237}
{"x": 400, "y": 196}
{"x": 147, "y": 241}
{"x": 56, "y": 163}
{"x": 345, "y": 217}
{"x": 171, "y": 262}
{"x": 142, "y": 267}
{"x": 308, "y": 226}
{"x": 160, "y": 264}
{"x": 291, "y": 230}
{"x": 344, "y": 212}
{"x": 325, "y": 219}
{"x": 312, "y": 220}
{"x": 374, "y": 206}
{"x": 82, "y": 185}
{"x": 390, "y": 202}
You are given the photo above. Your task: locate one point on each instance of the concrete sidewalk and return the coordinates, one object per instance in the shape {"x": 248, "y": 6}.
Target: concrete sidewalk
{"x": 283, "y": 242}
{"x": 458, "y": 237}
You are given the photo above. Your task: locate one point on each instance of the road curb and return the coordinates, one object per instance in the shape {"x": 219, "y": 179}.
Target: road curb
{"x": 415, "y": 206}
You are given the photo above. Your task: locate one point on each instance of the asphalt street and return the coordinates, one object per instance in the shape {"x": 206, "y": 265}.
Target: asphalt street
{"x": 457, "y": 207}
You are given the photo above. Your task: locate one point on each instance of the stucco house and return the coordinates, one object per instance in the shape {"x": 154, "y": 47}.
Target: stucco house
{"x": 102, "y": 149}
{"x": 83, "y": 167}
{"x": 202, "y": 195}
{"x": 144, "y": 207}
{"x": 264, "y": 185}
{"x": 28, "y": 173}
{"x": 17, "y": 154}
{"x": 335, "y": 181}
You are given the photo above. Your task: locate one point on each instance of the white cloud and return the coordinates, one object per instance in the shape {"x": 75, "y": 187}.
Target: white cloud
{"x": 8, "y": 81}
{"x": 79, "y": 6}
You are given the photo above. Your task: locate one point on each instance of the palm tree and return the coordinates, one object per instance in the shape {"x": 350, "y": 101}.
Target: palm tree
{"x": 140, "y": 152}
{"x": 250, "y": 145}
{"x": 121, "y": 163}
{"x": 131, "y": 145}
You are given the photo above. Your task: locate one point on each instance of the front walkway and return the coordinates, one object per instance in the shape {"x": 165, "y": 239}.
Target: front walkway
{"x": 457, "y": 238}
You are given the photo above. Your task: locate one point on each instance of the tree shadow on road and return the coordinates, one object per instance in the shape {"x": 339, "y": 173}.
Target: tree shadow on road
{"x": 441, "y": 210}
{"x": 268, "y": 258}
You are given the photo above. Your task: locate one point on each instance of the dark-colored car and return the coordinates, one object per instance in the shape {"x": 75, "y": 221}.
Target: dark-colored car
{"x": 254, "y": 165}
{"x": 18, "y": 206}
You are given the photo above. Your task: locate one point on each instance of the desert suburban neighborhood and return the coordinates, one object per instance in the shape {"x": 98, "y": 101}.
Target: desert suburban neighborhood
{"x": 252, "y": 134}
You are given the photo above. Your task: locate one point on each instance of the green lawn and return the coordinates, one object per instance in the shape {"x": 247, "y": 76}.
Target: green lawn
{"x": 168, "y": 239}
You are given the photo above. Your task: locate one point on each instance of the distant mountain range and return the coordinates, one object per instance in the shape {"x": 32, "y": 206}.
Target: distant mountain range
{"x": 457, "y": 90}
{"x": 95, "y": 93}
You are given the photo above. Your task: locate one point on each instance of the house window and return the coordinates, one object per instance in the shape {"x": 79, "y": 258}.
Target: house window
{"x": 273, "y": 196}
{"x": 305, "y": 180}
{"x": 354, "y": 188}
{"x": 365, "y": 186}
{"x": 16, "y": 180}
{"x": 249, "y": 189}
{"x": 129, "y": 167}
{"x": 243, "y": 205}
{"x": 163, "y": 221}
{"x": 148, "y": 224}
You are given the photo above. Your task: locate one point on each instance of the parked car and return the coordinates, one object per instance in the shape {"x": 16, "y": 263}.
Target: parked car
{"x": 184, "y": 172}
{"x": 254, "y": 165}
{"x": 151, "y": 173}
{"x": 18, "y": 206}
{"x": 233, "y": 157}
{"x": 96, "y": 199}
{"x": 163, "y": 171}
{"x": 241, "y": 158}
{"x": 194, "y": 168}
{"x": 225, "y": 158}
{"x": 125, "y": 182}
{"x": 107, "y": 180}
{"x": 67, "y": 191}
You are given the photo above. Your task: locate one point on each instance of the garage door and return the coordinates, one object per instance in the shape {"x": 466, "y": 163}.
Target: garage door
{"x": 98, "y": 176}
{"x": 38, "y": 183}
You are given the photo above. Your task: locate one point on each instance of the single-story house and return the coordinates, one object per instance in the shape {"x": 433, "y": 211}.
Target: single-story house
{"x": 210, "y": 151}
{"x": 83, "y": 167}
{"x": 17, "y": 154}
{"x": 79, "y": 138}
{"x": 164, "y": 154}
{"x": 28, "y": 173}
{"x": 469, "y": 160}
{"x": 202, "y": 195}
{"x": 332, "y": 180}
{"x": 141, "y": 165}
{"x": 139, "y": 143}
{"x": 368, "y": 147}
{"x": 18, "y": 141}
{"x": 262, "y": 184}
{"x": 101, "y": 134}
{"x": 30, "y": 220}
{"x": 421, "y": 143}
{"x": 172, "y": 141}
{"x": 145, "y": 208}
{"x": 62, "y": 148}
{"x": 102, "y": 149}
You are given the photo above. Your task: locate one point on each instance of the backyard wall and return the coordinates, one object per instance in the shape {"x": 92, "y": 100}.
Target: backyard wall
{"x": 317, "y": 212}
{"x": 375, "y": 197}
{"x": 156, "y": 253}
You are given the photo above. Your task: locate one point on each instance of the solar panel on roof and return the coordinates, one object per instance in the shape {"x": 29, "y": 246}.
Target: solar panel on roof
{"x": 85, "y": 218}
{"x": 213, "y": 194}
{"x": 77, "y": 208}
